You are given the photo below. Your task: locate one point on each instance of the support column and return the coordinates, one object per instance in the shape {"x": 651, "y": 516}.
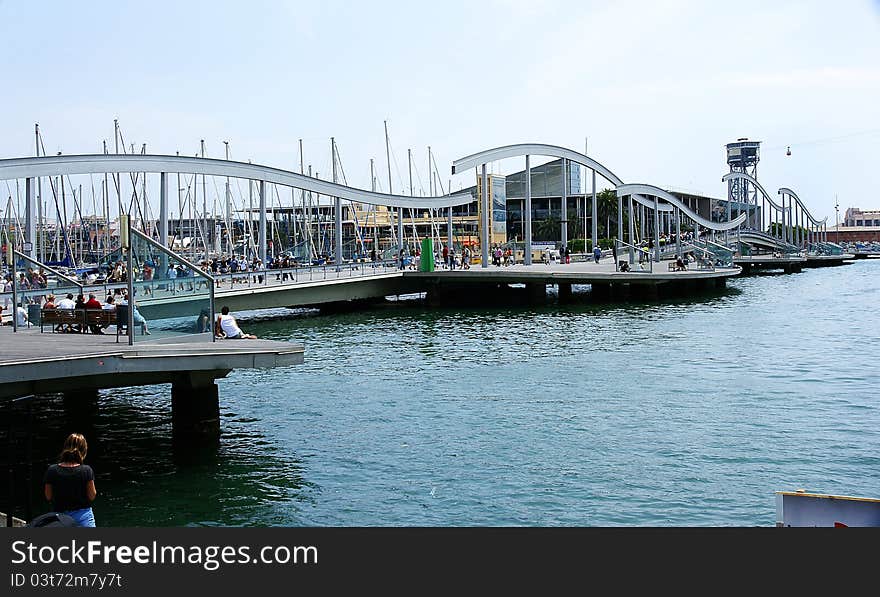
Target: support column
{"x": 30, "y": 225}
{"x": 563, "y": 208}
{"x": 163, "y": 223}
{"x": 262, "y": 225}
{"x": 527, "y": 259}
{"x": 484, "y": 217}
{"x": 596, "y": 213}
{"x": 449, "y": 230}
{"x": 400, "y": 243}
{"x": 195, "y": 405}
{"x": 536, "y": 292}
{"x": 784, "y": 227}
{"x": 677, "y": 231}
{"x": 632, "y": 252}
{"x": 564, "y": 291}
{"x": 641, "y": 222}
{"x": 619, "y": 218}
{"x": 163, "y": 209}
{"x": 656, "y": 230}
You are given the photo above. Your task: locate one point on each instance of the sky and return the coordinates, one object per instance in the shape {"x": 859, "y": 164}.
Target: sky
{"x": 652, "y": 90}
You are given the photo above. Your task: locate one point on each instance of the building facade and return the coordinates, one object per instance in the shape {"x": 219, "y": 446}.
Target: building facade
{"x": 856, "y": 217}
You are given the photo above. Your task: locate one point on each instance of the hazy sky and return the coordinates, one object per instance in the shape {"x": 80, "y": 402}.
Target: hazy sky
{"x": 657, "y": 88}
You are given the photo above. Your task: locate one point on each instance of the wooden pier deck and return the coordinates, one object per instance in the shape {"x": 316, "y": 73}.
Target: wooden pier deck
{"x": 32, "y": 362}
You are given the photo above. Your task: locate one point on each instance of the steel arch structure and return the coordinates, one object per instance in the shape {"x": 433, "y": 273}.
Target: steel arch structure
{"x": 32, "y": 168}
{"x": 787, "y": 230}
{"x": 526, "y": 150}
{"x": 818, "y": 226}
{"x": 647, "y": 189}
{"x": 36, "y": 167}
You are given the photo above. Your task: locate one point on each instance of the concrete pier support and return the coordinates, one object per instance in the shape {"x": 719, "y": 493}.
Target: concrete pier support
{"x": 195, "y": 406}
{"x": 650, "y": 292}
{"x": 536, "y": 293}
{"x": 564, "y": 292}
{"x": 88, "y": 396}
{"x": 602, "y": 292}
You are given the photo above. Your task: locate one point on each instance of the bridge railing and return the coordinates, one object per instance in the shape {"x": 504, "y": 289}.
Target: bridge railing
{"x": 825, "y": 248}
{"x": 298, "y": 274}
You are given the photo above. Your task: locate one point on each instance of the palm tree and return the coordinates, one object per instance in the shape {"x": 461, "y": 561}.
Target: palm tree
{"x": 607, "y": 204}
{"x": 546, "y": 229}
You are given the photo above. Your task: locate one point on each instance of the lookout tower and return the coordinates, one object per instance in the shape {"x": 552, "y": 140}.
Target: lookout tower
{"x": 743, "y": 156}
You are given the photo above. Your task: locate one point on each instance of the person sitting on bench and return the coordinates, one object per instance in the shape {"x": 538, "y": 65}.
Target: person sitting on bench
{"x": 679, "y": 264}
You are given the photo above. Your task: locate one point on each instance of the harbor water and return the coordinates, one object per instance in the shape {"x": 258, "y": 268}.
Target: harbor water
{"x": 674, "y": 413}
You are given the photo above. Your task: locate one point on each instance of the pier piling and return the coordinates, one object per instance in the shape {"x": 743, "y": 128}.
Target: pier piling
{"x": 195, "y": 406}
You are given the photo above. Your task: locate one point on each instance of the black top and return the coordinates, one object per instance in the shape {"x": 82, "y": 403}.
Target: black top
{"x": 69, "y": 486}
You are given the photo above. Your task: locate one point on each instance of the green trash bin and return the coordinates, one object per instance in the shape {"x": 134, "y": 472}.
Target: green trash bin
{"x": 33, "y": 312}
{"x": 426, "y": 259}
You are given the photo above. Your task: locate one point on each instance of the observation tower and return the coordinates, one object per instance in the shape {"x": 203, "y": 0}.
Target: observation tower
{"x": 743, "y": 156}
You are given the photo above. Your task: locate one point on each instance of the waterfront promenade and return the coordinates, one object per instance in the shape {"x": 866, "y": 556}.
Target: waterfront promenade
{"x": 325, "y": 285}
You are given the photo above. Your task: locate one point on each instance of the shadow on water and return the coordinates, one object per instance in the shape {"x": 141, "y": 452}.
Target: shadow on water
{"x": 274, "y": 324}
{"x": 146, "y": 476}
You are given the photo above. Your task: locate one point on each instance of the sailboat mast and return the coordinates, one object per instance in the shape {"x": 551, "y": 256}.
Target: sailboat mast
{"x": 391, "y": 192}
{"x": 204, "y": 206}
{"x": 39, "y": 249}
{"x": 337, "y": 209}
{"x": 374, "y": 207}
{"x": 117, "y": 177}
{"x": 250, "y": 212}
{"x": 106, "y": 206}
{"x": 229, "y": 241}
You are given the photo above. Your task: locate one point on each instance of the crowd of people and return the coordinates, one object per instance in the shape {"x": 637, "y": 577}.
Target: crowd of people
{"x": 81, "y": 304}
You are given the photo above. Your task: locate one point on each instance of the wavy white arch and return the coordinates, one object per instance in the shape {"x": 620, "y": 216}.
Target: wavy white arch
{"x": 554, "y": 151}
{"x": 647, "y": 189}
{"x": 788, "y": 191}
{"x": 34, "y": 167}
{"x": 744, "y": 176}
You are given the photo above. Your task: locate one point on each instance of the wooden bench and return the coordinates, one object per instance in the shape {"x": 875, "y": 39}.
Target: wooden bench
{"x": 58, "y": 318}
{"x": 82, "y": 318}
{"x": 99, "y": 317}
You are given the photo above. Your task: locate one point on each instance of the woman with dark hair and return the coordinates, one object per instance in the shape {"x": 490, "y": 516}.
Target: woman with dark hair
{"x": 70, "y": 485}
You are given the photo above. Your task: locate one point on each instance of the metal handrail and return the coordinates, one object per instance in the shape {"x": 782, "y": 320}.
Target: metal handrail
{"x": 47, "y": 268}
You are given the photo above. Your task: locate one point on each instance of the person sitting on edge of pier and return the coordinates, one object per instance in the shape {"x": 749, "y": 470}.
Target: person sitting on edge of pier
{"x": 230, "y": 328}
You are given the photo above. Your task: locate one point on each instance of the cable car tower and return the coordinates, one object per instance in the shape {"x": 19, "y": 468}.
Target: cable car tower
{"x": 743, "y": 156}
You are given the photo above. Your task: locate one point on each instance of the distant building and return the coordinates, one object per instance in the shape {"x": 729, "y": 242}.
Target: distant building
{"x": 856, "y": 217}
{"x": 857, "y": 226}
